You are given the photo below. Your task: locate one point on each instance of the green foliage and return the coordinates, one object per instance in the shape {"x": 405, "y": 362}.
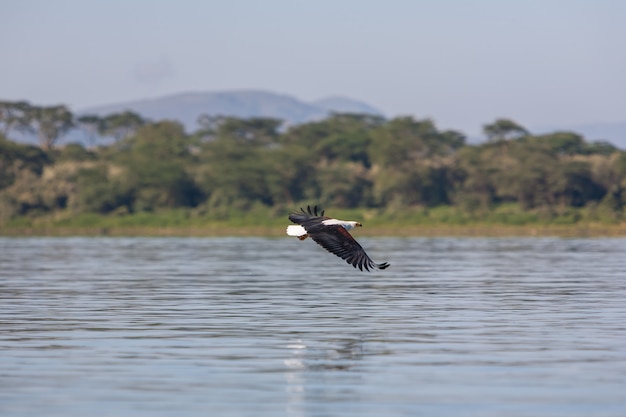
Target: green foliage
{"x": 504, "y": 129}
{"x": 15, "y": 158}
{"x": 119, "y": 125}
{"x": 559, "y": 143}
{"x": 92, "y": 125}
{"x": 239, "y": 170}
{"x": 49, "y": 123}
{"x": 14, "y": 116}
{"x": 97, "y": 192}
{"x": 343, "y": 137}
{"x": 156, "y": 160}
{"x": 74, "y": 152}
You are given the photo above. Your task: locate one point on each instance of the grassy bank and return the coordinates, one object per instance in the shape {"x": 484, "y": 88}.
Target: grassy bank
{"x": 262, "y": 221}
{"x": 589, "y": 230}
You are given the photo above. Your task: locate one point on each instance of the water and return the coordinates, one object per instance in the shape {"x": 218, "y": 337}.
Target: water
{"x": 278, "y": 327}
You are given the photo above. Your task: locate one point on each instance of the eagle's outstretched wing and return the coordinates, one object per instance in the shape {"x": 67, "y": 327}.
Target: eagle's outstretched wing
{"x": 335, "y": 239}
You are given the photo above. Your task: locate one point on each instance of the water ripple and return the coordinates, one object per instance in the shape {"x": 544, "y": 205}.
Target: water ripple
{"x": 252, "y": 326}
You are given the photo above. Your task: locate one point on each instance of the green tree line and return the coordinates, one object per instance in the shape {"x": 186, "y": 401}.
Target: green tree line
{"x": 344, "y": 161}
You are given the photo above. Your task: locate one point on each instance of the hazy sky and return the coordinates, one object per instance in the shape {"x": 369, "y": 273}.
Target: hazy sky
{"x": 461, "y": 62}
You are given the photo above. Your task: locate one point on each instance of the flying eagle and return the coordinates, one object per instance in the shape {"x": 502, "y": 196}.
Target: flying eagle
{"x": 332, "y": 235}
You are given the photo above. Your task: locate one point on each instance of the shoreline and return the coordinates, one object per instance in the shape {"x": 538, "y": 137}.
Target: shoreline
{"x": 477, "y": 230}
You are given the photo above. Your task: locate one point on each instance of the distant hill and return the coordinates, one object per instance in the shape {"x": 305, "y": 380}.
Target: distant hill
{"x": 345, "y": 105}
{"x": 186, "y": 107}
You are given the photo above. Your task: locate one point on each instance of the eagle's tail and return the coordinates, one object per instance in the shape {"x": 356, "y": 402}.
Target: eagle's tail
{"x": 296, "y": 230}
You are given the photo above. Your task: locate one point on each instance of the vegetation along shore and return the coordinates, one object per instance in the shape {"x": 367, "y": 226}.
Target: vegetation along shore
{"x": 400, "y": 177}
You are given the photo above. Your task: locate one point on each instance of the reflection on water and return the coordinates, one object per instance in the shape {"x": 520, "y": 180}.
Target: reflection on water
{"x": 251, "y": 326}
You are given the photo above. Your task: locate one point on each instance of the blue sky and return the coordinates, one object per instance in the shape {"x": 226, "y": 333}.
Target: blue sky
{"x": 461, "y": 62}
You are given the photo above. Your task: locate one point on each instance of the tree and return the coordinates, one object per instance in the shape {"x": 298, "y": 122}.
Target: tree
{"x": 165, "y": 140}
{"x": 352, "y": 190}
{"x": 253, "y": 131}
{"x": 291, "y": 174}
{"x": 528, "y": 177}
{"x": 475, "y": 186}
{"x": 156, "y": 160}
{"x": 15, "y": 158}
{"x": 574, "y": 184}
{"x": 92, "y": 125}
{"x": 412, "y": 162}
{"x": 209, "y": 124}
{"x": 96, "y": 191}
{"x": 234, "y": 174}
{"x": 405, "y": 140}
{"x": 561, "y": 143}
{"x": 49, "y": 123}
{"x": 121, "y": 125}
{"x": 343, "y": 136}
{"x": 601, "y": 147}
{"x": 504, "y": 129}
{"x": 13, "y": 115}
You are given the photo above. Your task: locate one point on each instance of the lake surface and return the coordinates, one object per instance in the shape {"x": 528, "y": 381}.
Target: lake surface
{"x": 277, "y": 327}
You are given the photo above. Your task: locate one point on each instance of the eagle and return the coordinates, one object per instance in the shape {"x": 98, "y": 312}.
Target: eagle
{"x": 332, "y": 235}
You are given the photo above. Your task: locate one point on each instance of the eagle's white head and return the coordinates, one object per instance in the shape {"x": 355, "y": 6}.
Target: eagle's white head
{"x": 351, "y": 225}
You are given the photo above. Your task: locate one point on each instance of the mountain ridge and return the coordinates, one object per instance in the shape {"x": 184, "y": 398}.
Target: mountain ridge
{"x": 186, "y": 107}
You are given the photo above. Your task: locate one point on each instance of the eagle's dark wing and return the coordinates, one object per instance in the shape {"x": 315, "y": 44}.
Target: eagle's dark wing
{"x": 307, "y": 218}
{"x": 337, "y": 240}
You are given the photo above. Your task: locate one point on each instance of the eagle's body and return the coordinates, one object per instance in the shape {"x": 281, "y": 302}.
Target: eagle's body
{"x": 332, "y": 235}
